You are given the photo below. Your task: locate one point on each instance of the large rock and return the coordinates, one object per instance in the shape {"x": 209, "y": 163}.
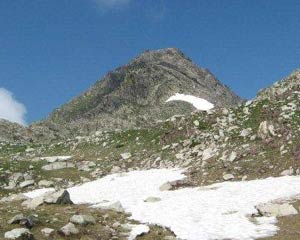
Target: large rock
{"x": 26, "y": 183}
{"x": 16, "y": 219}
{"x": 14, "y": 197}
{"x": 33, "y": 203}
{"x": 19, "y": 233}
{"x": 276, "y": 210}
{"x": 28, "y": 222}
{"x": 265, "y": 130}
{"x": 59, "y": 197}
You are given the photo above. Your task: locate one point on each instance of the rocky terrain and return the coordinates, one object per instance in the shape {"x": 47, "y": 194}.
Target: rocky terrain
{"x": 252, "y": 140}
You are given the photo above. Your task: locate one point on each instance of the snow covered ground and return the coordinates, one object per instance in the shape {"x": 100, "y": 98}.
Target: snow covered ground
{"x": 199, "y": 103}
{"x": 38, "y": 192}
{"x": 218, "y": 211}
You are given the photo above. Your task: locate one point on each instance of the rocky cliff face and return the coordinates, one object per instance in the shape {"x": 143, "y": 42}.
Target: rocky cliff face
{"x": 135, "y": 95}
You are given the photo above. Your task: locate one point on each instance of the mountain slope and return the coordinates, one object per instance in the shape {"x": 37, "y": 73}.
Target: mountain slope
{"x": 135, "y": 95}
{"x": 245, "y": 144}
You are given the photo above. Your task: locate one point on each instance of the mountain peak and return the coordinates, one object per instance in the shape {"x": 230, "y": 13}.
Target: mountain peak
{"x": 170, "y": 55}
{"x": 135, "y": 95}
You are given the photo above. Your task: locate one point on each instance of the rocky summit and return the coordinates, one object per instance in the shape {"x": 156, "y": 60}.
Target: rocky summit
{"x": 135, "y": 95}
{"x": 240, "y": 160}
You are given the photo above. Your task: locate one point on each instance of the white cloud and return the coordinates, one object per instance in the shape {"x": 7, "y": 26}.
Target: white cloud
{"x": 111, "y": 3}
{"x": 10, "y": 108}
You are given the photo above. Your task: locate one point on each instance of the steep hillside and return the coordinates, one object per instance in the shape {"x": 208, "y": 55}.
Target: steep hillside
{"x": 135, "y": 95}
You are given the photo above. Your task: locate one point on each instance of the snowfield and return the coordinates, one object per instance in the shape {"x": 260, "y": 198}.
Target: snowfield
{"x": 199, "y": 103}
{"x": 218, "y": 211}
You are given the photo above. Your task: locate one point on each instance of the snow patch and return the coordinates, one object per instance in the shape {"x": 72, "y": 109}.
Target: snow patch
{"x": 38, "y": 192}
{"x": 199, "y": 103}
{"x": 137, "y": 230}
{"x": 218, "y": 211}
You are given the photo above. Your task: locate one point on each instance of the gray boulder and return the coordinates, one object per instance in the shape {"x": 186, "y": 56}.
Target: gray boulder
{"x": 59, "y": 197}
{"x": 276, "y": 210}
{"x": 265, "y": 130}
{"x": 26, "y": 183}
{"x": 33, "y": 203}
{"x": 19, "y": 233}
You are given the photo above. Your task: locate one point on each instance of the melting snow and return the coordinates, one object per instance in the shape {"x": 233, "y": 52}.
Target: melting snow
{"x": 38, "y": 192}
{"x": 199, "y": 103}
{"x": 137, "y": 230}
{"x": 218, "y": 211}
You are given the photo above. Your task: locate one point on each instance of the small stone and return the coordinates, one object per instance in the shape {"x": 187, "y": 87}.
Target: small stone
{"x": 126, "y": 156}
{"x": 165, "y": 187}
{"x": 47, "y": 232}
{"x": 196, "y": 123}
{"x": 232, "y": 157}
{"x": 245, "y": 132}
{"x": 244, "y": 178}
{"x": 82, "y": 219}
{"x": 115, "y": 169}
{"x": 26, "y": 183}
{"x": 45, "y": 183}
{"x": 69, "y": 230}
{"x": 288, "y": 172}
{"x": 152, "y": 199}
{"x": 169, "y": 238}
{"x": 208, "y": 153}
{"x": 228, "y": 177}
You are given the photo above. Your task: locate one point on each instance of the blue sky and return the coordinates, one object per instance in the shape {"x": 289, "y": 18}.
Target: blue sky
{"x": 51, "y": 51}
